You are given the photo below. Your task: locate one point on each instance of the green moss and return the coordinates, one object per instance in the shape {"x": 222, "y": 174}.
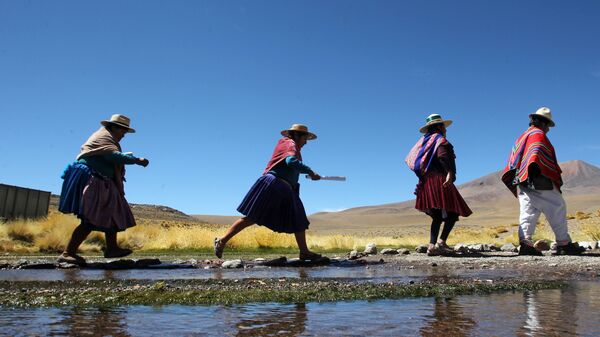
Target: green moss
{"x": 210, "y": 292}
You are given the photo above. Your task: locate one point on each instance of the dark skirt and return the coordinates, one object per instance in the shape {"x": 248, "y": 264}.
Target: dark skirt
{"x": 431, "y": 194}
{"x": 95, "y": 199}
{"x": 271, "y": 202}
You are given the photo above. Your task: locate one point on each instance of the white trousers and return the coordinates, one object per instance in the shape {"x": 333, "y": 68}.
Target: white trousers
{"x": 550, "y": 202}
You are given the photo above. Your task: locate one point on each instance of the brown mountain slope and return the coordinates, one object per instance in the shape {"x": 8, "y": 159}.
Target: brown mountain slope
{"x": 490, "y": 200}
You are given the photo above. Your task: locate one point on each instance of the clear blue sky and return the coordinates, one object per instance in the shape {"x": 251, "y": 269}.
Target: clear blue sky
{"x": 210, "y": 84}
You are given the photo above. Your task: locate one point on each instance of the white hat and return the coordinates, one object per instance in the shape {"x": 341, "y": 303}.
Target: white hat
{"x": 434, "y": 119}
{"x": 119, "y": 120}
{"x": 544, "y": 113}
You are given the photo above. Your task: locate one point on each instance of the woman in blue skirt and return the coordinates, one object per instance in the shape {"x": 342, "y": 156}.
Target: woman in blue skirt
{"x": 93, "y": 189}
{"x": 274, "y": 200}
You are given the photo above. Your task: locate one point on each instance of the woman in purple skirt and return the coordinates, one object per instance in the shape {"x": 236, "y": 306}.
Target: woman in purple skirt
{"x": 274, "y": 200}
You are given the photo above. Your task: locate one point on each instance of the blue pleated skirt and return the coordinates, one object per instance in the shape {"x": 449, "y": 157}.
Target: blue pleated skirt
{"x": 271, "y": 202}
{"x": 75, "y": 178}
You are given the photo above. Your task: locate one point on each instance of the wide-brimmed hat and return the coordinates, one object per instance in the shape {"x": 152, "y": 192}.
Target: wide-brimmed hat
{"x": 299, "y": 128}
{"x": 434, "y": 119}
{"x": 545, "y": 113}
{"x": 119, "y": 120}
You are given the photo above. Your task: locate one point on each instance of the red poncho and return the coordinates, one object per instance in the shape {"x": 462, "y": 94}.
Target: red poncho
{"x": 285, "y": 147}
{"x": 531, "y": 147}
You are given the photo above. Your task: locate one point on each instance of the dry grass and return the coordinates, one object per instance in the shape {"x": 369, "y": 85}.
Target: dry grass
{"x": 52, "y": 233}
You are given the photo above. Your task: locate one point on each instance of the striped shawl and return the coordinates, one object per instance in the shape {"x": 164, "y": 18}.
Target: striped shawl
{"x": 533, "y": 146}
{"x": 421, "y": 155}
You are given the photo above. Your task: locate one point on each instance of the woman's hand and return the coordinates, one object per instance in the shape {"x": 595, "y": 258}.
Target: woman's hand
{"x": 449, "y": 179}
{"x": 143, "y": 162}
{"x": 314, "y": 176}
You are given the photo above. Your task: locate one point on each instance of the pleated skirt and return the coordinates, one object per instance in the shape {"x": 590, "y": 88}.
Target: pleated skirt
{"x": 95, "y": 199}
{"x": 431, "y": 194}
{"x": 271, "y": 202}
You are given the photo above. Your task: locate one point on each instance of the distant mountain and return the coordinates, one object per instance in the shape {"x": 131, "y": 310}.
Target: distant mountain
{"x": 491, "y": 202}
{"x": 143, "y": 211}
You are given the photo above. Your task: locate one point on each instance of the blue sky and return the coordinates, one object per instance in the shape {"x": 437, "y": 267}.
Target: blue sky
{"x": 210, "y": 84}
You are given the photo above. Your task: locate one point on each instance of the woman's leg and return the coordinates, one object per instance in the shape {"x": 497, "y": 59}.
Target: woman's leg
{"x": 235, "y": 228}
{"x": 301, "y": 241}
{"x": 112, "y": 247}
{"x": 436, "y": 222}
{"x": 80, "y": 233}
{"x": 448, "y": 225}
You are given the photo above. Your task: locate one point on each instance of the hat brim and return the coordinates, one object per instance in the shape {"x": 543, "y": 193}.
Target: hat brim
{"x": 311, "y": 136}
{"x": 446, "y": 123}
{"x": 129, "y": 130}
{"x": 552, "y": 124}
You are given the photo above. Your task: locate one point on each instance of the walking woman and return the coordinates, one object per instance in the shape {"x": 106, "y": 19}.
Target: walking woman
{"x": 93, "y": 189}
{"x": 432, "y": 160}
{"x": 274, "y": 200}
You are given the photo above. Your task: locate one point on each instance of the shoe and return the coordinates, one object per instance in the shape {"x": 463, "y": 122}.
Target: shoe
{"x": 444, "y": 249}
{"x": 120, "y": 252}
{"x": 434, "y": 251}
{"x": 526, "y": 249}
{"x": 71, "y": 258}
{"x": 310, "y": 257}
{"x": 218, "y": 247}
{"x": 571, "y": 248}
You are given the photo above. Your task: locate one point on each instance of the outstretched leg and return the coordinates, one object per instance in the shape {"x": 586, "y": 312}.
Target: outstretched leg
{"x": 79, "y": 235}
{"x": 236, "y": 227}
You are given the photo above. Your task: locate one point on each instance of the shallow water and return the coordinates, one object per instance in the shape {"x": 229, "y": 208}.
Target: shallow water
{"x": 562, "y": 312}
{"x": 372, "y": 273}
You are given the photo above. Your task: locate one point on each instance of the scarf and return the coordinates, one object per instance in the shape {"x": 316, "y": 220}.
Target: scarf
{"x": 533, "y": 146}
{"x": 100, "y": 143}
{"x": 422, "y": 153}
{"x": 285, "y": 147}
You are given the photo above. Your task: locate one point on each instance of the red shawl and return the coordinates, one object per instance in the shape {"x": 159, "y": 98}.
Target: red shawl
{"x": 285, "y": 147}
{"x": 533, "y": 146}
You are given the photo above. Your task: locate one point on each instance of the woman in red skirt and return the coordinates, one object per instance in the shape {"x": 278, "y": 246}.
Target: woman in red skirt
{"x": 432, "y": 160}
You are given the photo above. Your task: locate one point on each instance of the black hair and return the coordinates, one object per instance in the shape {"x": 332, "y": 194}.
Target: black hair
{"x": 113, "y": 127}
{"x": 435, "y": 127}
{"x": 295, "y": 134}
{"x": 538, "y": 121}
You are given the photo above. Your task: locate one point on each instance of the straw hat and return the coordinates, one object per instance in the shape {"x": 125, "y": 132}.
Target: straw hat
{"x": 544, "y": 113}
{"x": 434, "y": 119}
{"x": 299, "y": 128}
{"x": 119, "y": 120}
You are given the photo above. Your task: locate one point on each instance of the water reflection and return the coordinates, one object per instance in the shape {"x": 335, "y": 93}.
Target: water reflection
{"x": 549, "y": 311}
{"x": 93, "y": 322}
{"x": 287, "y": 321}
{"x": 571, "y": 311}
{"x": 448, "y": 319}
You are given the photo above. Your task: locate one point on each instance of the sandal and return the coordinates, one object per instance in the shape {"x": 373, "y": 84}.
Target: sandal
{"x": 71, "y": 258}
{"x": 218, "y": 247}
{"x": 117, "y": 253}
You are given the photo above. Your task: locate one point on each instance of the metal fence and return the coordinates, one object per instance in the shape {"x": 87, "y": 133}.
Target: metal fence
{"x": 19, "y": 202}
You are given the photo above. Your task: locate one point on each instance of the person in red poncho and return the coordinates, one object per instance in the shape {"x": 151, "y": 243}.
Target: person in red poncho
{"x": 274, "y": 200}
{"x": 534, "y": 177}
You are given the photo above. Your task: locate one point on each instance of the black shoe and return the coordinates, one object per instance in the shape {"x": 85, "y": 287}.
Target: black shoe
{"x": 525, "y": 249}
{"x": 571, "y": 248}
